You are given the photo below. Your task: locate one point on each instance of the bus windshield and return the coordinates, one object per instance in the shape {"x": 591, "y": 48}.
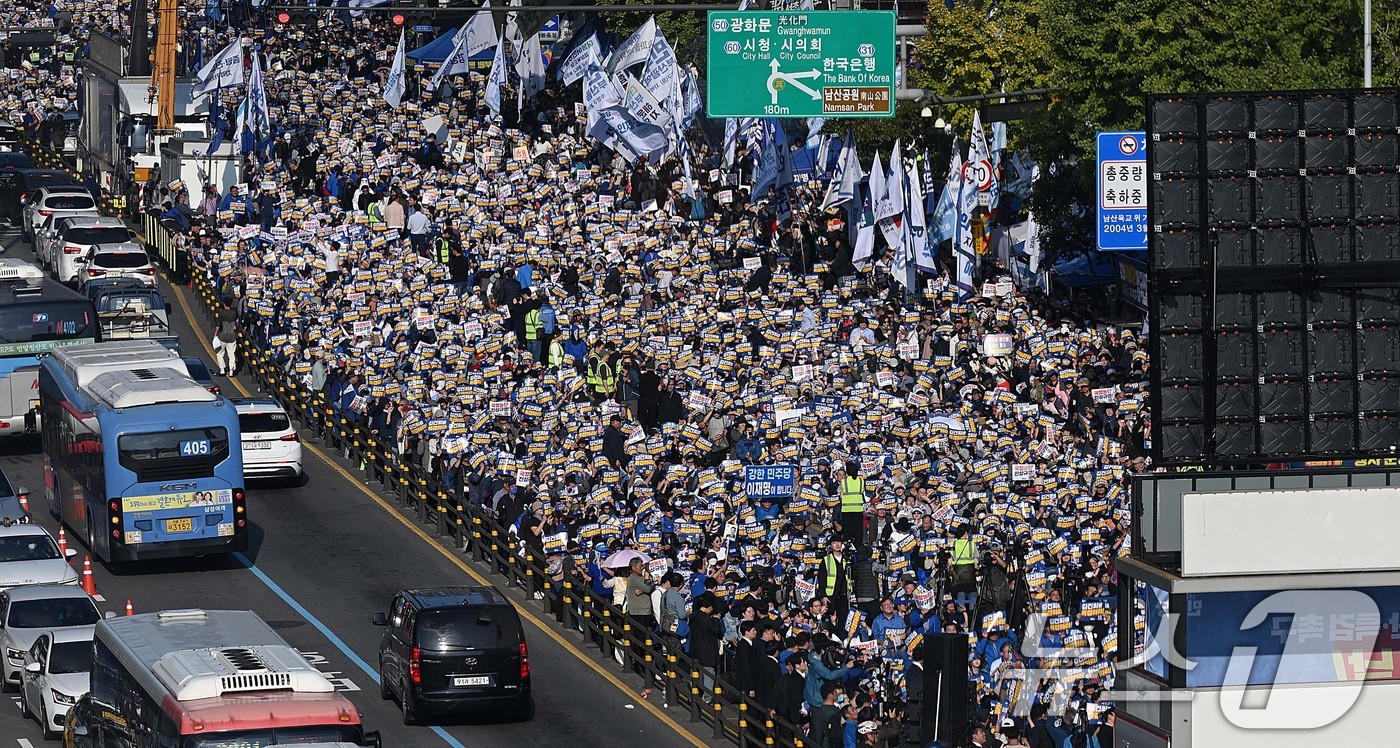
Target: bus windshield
{"x": 46, "y": 321}
{"x": 276, "y": 736}
{"x": 53, "y": 613}
{"x": 70, "y": 657}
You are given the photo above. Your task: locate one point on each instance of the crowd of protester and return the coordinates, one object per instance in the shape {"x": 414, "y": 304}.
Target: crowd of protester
{"x": 593, "y": 354}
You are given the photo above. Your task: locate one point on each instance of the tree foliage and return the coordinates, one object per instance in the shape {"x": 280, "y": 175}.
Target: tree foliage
{"x": 1105, "y": 56}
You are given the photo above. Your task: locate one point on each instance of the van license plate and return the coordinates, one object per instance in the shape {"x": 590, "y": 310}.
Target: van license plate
{"x": 472, "y": 680}
{"x": 183, "y": 524}
{"x": 257, "y": 445}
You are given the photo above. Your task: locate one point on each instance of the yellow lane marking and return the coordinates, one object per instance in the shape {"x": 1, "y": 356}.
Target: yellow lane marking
{"x": 450, "y": 555}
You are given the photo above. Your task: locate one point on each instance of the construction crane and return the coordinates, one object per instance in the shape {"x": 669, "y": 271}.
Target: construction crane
{"x": 163, "y": 64}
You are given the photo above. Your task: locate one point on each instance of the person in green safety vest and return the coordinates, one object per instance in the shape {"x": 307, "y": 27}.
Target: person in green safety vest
{"x": 556, "y": 354}
{"x": 962, "y": 566}
{"x": 835, "y": 580}
{"x": 532, "y": 331}
{"x": 852, "y": 491}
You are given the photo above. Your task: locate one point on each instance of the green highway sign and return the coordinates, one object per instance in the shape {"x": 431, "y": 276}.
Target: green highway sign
{"x": 812, "y": 63}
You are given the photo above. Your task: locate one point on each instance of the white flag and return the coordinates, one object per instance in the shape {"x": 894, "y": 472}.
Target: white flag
{"x": 636, "y": 49}
{"x": 455, "y": 64}
{"x": 964, "y": 243}
{"x": 918, "y": 223}
{"x": 224, "y": 71}
{"x": 661, "y": 72}
{"x": 846, "y": 180}
{"x": 479, "y": 32}
{"x": 580, "y": 57}
{"x": 496, "y": 78}
{"x": 395, "y": 85}
{"x": 862, "y": 225}
{"x": 530, "y": 67}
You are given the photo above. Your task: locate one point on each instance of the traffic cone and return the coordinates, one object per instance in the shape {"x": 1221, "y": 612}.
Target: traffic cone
{"x": 129, "y": 611}
{"x": 89, "y": 586}
{"x": 62, "y": 541}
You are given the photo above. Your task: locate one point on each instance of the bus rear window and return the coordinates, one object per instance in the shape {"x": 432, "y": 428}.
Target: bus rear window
{"x": 167, "y": 455}
{"x": 33, "y": 322}
{"x": 276, "y": 736}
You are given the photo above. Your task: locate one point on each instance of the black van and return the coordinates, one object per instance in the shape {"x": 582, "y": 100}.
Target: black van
{"x": 448, "y": 650}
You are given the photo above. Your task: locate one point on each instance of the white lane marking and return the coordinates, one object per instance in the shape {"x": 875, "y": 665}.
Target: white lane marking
{"x": 317, "y": 660}
{"x": 24, "y": 743}
{"x": 99, "y": 598}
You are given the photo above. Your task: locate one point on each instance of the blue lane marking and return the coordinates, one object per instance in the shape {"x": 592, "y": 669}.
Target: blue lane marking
{"x": 314, "y": 621}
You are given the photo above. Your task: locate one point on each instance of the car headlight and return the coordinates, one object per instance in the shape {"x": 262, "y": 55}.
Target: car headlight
{"x": 60, "y": 697}
{"x": 14, "y": 654}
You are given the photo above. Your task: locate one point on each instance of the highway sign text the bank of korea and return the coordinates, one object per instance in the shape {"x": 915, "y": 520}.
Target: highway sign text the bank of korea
{"x": 815, "y": 63}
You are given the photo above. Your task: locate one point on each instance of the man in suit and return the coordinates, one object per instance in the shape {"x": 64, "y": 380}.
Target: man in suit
{"x": 748, "y": 659}
{"x": 770, "y": 677}
{"x": 790, "y": 691}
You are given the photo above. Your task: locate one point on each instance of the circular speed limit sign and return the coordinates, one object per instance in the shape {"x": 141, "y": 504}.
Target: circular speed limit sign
{"x": 979, "y": 173}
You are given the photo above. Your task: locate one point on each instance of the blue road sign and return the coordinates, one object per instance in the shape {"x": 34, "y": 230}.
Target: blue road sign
{"x": 1122, "y": 191}
{"x": 779, "y": 481}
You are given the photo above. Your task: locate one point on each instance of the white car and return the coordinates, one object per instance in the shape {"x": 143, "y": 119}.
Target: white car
{"x": 71, "y": 238}
{"x": 271, "y": 448}
{"x": 29, "y": 555}
{"x": 120, "y": 260}
{"x": 27, "y": 612}
{"x": 57, "y": 672}
{"x": 62, "y": 200}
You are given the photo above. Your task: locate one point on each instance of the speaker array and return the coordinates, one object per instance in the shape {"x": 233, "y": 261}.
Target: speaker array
{"x": 1275, "y": 247}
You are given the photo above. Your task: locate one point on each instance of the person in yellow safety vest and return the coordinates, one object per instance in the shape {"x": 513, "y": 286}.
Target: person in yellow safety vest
{"x": 532, "y": 333}
{"x": 836, "y": 580}
{"x": 604, "y": 379}
{"x": 963, "y": 564}
{"x": 556, "y": 354}
{"x": 376, "y": 212}
{"x": 852, "y": 488}
{"x": 442, "y": 250}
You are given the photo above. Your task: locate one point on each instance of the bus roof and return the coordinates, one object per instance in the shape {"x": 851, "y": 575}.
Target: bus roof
{"x": 21, "y": 282}
{"x": 128, "y": 389}
{"x": 83, "y": 363}
{"x": 222, "y": 670}
{"x": 201, "y": 654}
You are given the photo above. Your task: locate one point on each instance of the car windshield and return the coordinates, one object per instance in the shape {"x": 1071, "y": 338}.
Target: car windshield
{"x": 28, "y": 548}
{"x": 96, "y": 235}
{"x": 53, "y": 613}
{"x": 119, "y": 259}
{"x": 5, "y": 489}
{"x": 257, "y": 423}
{"x": 70, "y": 202}
{"x": 70, "y": 657}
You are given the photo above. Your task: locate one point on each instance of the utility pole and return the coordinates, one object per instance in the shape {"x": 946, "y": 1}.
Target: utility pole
{"x": 163, "y": 72}
{"x": 1366, "y": 74}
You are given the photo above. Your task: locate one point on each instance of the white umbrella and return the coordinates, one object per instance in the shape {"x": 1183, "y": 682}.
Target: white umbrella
{"x": 624, "y": 558}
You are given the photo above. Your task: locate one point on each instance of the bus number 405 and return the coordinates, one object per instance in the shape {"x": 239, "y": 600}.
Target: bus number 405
{"x": 194, "y": 448}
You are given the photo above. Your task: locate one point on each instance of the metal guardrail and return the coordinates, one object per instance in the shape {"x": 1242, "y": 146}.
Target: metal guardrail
{"x": 723, "y": 709}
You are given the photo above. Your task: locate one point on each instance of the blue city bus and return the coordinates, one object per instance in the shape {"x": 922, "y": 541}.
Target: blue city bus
{"x": 37, "y": 315}
{"x": 140, "y": 461}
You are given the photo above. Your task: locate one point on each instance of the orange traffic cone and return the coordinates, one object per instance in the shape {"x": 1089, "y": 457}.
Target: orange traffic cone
{"x": 129, "y": 611}
{"x": 62, "y": 541}
{"x": 89, "y": 586}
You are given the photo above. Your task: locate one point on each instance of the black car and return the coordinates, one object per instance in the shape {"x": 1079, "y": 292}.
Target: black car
{"x": 16, "y": 184}
{"x": 15, "y": 160}
{"x": 448, "y": 650}
{"x": 200, "y": 373}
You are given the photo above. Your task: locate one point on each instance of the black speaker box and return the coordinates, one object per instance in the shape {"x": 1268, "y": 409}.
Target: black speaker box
{"x": 947, "y": 695}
